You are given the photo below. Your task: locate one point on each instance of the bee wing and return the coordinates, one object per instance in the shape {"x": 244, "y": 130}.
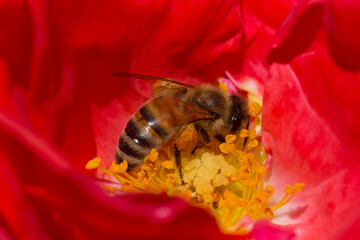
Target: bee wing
{"x": 177, "y": 112}
{"x": 162, "y": 86}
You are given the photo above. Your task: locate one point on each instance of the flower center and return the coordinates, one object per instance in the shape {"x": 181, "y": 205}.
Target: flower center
{"x": 227, "y": 178}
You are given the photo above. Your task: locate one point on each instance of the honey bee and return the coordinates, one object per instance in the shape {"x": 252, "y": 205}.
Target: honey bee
{"x": 174, "y": 106}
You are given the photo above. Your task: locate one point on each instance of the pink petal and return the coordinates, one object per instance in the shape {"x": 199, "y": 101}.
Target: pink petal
{"x": 263, "y": 230}
{"x": 305, "y": 148}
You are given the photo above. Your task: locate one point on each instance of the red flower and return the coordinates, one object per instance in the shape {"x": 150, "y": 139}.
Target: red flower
{"x": 60, "y": 107}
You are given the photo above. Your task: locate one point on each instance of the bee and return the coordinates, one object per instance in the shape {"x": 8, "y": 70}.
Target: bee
{"x": 175, "y": 106}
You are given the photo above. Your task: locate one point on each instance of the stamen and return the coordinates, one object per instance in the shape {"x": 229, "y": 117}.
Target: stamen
{"x": 226, "y": 179}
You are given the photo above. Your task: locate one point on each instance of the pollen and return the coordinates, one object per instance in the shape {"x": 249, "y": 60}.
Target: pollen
{"x": 227, "y": 179}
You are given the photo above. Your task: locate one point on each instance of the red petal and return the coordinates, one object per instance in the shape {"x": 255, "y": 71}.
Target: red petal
{"x": 47, "y": 198}
{"x": 297, "y": 31}
{"x": 333, "y": 94}
{"x": 63, "y": 55}
{"x": 260, "y": 25}
{"x": 342, "y": 20}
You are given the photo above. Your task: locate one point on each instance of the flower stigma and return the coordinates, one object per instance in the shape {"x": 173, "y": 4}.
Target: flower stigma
{"x": 227, "y": 179}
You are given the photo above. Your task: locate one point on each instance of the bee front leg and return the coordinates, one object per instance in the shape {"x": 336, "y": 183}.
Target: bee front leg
{"x": 178, "y": 162}
{"x": 247, "y": 128}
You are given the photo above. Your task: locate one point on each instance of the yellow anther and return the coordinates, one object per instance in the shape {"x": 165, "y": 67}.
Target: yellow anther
{"x": 171, "y": 178}
{"x": 268, "y": 213}
{"x": 254, "y": 109}
{"x": 261, "y": 170}
{"x": 146, "y": 168}
{"x": 253, "y": 145}
{"x": 290, "y": 189}
{"x": 230, "y": 138}
{"x": 145, "y": 183}
{"x": 235, "y": 177}
{"x": 154, "y": 154}
{"x": 250, "y": 156}
{"x": 126, "y": 187}
{"x": 244, "y": 170}
{"x": 251, "y": 182}
{"x": 269, "y": 189}
{"x": 153, "y": 175}
{"x": 140, "y": 175}
{"x": 261, "y": 197}
{"x": 252, "y": 134}
{"x": 167, "y": 165}
{"x": 234, "y": 200}
{"x": 187, "y": 194}
{"x": 227, "y": 148}
{"x": 222, "y": 204}
{"x": 110, "y": 188}
{"x": 244, "y": 133}
{"x": 119, "y": 168}
{"x": 93, "y": 164}
{"x": 216, "y": 196}
{"x": 299, "y": 186}
{"x": 223, "y": 87}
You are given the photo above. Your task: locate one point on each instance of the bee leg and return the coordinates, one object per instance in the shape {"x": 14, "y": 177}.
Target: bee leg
{"x": 178, "y": 162}
{"x": 247, "y": 128}
{"x": 180, "y": 131}
{"x": 205, "y": 136}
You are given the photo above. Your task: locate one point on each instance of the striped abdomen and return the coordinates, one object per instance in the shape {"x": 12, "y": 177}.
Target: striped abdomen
{"x": 142, "y": 133}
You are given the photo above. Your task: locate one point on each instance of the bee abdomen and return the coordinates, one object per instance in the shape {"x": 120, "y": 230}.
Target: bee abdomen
{"x": 148, "y": 115}
{"x": 130, "y": 151}
{"x": 140, "y": 134}
{"x": 135, "y": 142}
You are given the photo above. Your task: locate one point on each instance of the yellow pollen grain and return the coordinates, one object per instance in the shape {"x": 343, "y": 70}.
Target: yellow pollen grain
{"x": 167, "y": 165}
{"x": 227, "y": 148}
{"x": 93, "y": 164}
